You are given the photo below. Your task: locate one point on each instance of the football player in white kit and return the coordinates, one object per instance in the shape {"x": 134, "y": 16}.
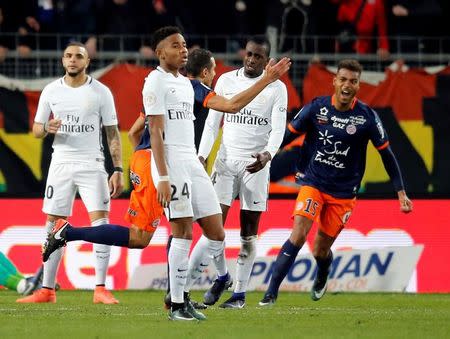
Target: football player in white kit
{"x": 80, "y": 106}
{"x": 250, "y": 140}
{"x": 162, "y": 94}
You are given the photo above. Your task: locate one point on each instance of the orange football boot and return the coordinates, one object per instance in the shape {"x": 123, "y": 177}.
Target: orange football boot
{"x": 103, "y": 296}
{"x": 44, "y": 295}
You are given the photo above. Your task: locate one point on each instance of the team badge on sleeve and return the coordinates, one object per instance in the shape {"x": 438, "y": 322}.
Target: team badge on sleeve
{"x": 150, "y": 99}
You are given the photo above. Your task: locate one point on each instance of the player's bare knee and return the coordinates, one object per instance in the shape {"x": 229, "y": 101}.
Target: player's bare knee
{"x": 322, "y": 247}
{"x": 321, "y": 252}
{"x": 297, "y": 239}
{"x": 139, "y": 238}
{"x": 220, "y": 236}
{"x": 217, "y": 233}
{"x": 299, "y": 233}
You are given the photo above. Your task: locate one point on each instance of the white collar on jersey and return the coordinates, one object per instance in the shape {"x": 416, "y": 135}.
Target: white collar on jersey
{"x": 159, "y": 68}
{"x": 240, "y": 73}
{"x": 88, "y": 82}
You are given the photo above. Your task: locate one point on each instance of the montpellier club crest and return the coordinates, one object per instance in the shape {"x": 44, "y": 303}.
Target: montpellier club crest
{"x": 351, "y": 129}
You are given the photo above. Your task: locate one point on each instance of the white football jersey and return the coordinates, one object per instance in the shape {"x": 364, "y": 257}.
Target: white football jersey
{"x": 83, "y": 110}
{"x": 258, "y": 127}
{"x": 173, "y": 97}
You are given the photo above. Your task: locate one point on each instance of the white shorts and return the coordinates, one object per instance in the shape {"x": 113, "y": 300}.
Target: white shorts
{"x": 65, "y": 179}
{"x": 192, "y": 191}
{"x": 230, "y": 179}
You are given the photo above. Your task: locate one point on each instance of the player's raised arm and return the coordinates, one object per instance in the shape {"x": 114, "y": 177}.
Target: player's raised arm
{"x": 233, "y": 105}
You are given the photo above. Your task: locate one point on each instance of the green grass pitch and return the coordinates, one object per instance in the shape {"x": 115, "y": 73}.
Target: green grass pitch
{"x": 141, "y": 315}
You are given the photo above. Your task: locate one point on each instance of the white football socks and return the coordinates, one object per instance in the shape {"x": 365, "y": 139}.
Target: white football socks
{"x": 178, "y": 267}
{"x": 102, "y": 254}
{"x": 198, "y": 261}
{"x": 245, "y": 262}
{"x": 52, "y": 264}
{"x": 216, "y": 250}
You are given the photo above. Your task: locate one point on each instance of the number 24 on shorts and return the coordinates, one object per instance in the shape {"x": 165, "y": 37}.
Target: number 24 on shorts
{"x": 184, "y": 191}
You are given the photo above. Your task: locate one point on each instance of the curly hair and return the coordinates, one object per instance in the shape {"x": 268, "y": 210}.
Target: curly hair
{"x": 162, "y": 33}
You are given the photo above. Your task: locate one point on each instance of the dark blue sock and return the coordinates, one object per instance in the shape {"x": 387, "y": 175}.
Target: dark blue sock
{"x": 107, "y": 234}
{"x": 324, "y": 264}
{"x": 239, "y": 295}
{"x": 223, "y": 277}
{"x": 284, "y": 261}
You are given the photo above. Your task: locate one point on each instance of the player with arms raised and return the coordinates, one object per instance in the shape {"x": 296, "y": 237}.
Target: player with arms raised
{"x": 338, "y": 129}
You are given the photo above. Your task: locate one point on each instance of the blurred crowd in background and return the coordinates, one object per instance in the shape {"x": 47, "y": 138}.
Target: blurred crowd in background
{"x": 26, "y": 25}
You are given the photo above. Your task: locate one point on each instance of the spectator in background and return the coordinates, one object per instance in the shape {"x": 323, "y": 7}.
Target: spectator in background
{"x": 372, "y": 19}
{"x": 123, "y": 18}
{"x": 77, "y": 20}
{"x": 412, "y": 19}
{"x": 17, "y": 17}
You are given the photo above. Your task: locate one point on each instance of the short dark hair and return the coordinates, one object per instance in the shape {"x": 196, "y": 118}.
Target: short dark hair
{"x": 198, "y": 60}
{"x": 75, "y": 43}
{"x": 261, "y": 40}
{"x": 162, "y": 33}
{"x": 350, "y": 64}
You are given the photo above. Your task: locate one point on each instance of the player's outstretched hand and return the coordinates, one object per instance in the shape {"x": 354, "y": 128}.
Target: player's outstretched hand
{"x": 275, "y": 70}
{"x": 261, "y": 160}
{"x": 52, "y": 126}
{"x": 164, "y": 193}
{"x": 406, "y": 205}
{"x": 116, "y": 184}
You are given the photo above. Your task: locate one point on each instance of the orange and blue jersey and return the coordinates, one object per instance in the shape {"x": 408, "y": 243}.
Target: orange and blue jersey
{"x": 202, "y": 94}
{"x": 336, "y": 144}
